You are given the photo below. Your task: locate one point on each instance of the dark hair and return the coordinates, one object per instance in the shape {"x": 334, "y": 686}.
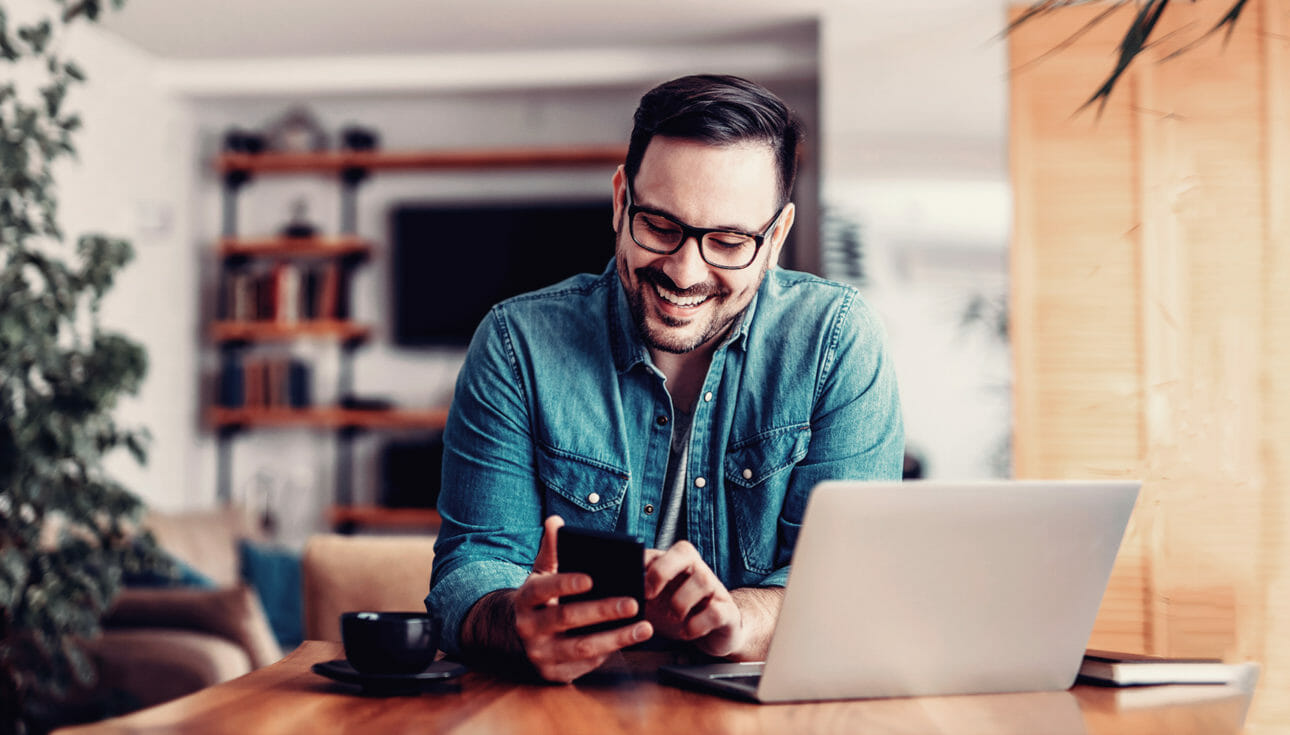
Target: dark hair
{"x": 722, "y": 110}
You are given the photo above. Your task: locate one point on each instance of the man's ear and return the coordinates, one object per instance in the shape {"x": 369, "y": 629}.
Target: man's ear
{"x": 780, "y": 233}
{"x": 619, "y": 182}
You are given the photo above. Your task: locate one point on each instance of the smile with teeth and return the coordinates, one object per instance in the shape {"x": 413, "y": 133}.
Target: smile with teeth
{"x": 685, "y": 302}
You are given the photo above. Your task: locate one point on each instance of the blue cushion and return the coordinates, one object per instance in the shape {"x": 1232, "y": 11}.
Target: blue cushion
{"x": 274, "y": 573}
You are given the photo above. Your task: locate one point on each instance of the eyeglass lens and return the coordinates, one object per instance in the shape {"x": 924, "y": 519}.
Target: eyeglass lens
{"x": 724, "y": 249}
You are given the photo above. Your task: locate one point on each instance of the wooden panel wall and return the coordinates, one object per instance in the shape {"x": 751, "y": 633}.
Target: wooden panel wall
{"x": 1074, "y": 313}
{"x": 1151, "y": 317}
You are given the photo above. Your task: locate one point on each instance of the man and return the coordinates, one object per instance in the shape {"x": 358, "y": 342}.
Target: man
{"x": 691, "y": 396}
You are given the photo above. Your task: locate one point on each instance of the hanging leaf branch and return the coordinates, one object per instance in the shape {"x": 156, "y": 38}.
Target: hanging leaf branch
{"x": 1138, "y": 37}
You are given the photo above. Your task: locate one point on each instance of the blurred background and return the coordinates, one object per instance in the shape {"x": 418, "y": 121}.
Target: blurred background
{"x": 1068, "y": 292}
{"x": 904, "y": 192}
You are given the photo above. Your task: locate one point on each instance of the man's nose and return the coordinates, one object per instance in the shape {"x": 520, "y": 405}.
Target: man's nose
{"x": 686, "y": 266}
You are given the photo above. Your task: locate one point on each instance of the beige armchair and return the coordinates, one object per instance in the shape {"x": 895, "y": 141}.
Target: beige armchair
{"x": 346, "y": 573}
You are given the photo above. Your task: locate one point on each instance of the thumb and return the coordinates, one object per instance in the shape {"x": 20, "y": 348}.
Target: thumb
{"x": 546, "y": 558}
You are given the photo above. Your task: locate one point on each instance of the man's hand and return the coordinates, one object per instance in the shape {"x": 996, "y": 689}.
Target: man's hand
{"x": 686, "y": 601}
{"x": 541, "y": 622}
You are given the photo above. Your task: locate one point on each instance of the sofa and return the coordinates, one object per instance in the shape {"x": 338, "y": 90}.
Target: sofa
{"x": 159, "y": 643}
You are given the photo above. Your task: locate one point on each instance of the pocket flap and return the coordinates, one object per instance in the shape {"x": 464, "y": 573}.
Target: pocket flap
{"x": 750, "y": 462}
{"x": 582, "y": 481}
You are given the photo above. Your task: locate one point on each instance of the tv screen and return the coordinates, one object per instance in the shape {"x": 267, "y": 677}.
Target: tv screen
{"x": 453, "y": 262}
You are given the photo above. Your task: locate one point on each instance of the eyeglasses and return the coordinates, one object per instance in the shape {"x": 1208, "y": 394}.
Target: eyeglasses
{"x": 663, "y": 234}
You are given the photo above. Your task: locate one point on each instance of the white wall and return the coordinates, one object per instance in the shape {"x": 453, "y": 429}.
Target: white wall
{"x": 130, "y": 179}
{"x": 914, "y": 134}
{"x": 933, "y": 247}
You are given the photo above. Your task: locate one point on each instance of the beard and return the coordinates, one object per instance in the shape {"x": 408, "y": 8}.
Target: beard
{"x": 669, "y": 334}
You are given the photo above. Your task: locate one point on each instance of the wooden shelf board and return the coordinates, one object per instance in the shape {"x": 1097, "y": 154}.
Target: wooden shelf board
{"x": 263, "y": 331}
{"x": 330, "y": 417}
{"x": 490, "y": 158}
{"x": 372, "y": 515}
{"x": 333, "y": 246}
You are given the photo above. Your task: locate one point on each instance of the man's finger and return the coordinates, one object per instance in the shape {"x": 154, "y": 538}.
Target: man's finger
{"x": 598, "y": 645}
{"x": 538, "y": 590}
{"x": 561, "y": 618}
{"x": 697, "y": 589}
{"x": 546, "y": 556}
{"x": 709, "y": 618}
{"x": 678, "y": 560}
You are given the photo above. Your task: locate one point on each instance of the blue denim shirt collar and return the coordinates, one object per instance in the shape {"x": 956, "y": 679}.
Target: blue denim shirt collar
{"x": 628, "y": 348}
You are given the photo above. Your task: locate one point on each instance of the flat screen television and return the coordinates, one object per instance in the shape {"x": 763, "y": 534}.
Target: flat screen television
{"x": 453, "y": 262}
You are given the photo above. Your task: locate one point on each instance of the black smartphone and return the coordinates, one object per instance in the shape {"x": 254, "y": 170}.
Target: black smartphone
{"x": 614, "y": 561}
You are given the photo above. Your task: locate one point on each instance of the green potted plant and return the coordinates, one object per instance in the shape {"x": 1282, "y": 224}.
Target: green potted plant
{"x": 68, "y": 531}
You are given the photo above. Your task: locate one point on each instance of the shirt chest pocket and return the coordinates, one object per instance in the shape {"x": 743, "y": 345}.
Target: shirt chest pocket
{"x": 757, "y": 472}
{"x": 582, "y": 491}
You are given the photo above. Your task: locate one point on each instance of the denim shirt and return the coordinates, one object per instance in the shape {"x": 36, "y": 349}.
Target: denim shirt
{"x": 559, "y": 410}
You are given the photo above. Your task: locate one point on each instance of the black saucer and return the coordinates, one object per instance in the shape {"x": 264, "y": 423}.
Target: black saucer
{"x": 435, "y": 675}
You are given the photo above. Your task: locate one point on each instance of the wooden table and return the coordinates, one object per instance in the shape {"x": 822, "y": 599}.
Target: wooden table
{"x": 288, "y": 698}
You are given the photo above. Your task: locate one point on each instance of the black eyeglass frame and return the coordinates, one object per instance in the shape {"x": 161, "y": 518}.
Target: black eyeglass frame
{"x": 698, "y": 233}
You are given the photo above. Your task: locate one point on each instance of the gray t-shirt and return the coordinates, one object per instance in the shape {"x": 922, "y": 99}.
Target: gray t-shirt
{"x": 671, "y": 520}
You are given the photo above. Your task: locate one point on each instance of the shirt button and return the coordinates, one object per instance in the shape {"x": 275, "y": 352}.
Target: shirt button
{"x": 649, "y": 509}
{"x": 700, "y": 482}
{"x": 747, "y": 474}
{"x": 661, "y": 421}
{"x": 707, "y": 397}
{"x": 593, "y": 498}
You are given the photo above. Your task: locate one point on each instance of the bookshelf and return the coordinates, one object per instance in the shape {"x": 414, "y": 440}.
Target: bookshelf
{"x": 328, "y": 417}
{"x": 254, "y": 290}
{"x": 327, "y": 162}
{"x": 320, "y": 247}
{"x": 272, "y": 331}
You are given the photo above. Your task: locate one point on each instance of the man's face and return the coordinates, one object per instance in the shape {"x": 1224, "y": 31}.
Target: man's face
{"x": 678, "y": 301}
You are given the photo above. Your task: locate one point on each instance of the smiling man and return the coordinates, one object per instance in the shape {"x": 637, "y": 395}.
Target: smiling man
{"x": 692, "y": 395}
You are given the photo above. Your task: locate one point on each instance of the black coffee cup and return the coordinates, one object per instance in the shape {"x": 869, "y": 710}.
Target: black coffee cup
{"x": 388, "y": 642}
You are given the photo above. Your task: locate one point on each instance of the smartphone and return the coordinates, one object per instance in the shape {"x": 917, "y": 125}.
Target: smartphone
{"x": 614, "y": 561}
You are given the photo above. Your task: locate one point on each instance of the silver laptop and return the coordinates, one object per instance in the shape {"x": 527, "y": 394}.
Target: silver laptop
{"x": 935, "y": 588}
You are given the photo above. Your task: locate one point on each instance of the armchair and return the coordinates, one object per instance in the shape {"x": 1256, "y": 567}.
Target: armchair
{"x": 345, "y": 573}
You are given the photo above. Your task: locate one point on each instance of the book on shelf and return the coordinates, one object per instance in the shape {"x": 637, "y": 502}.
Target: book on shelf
{"x": 263, "y": 296}
{"x": 275, "y": 372}
{"x": 286, "y": 293}
{"x": 232, "y": 382}
{"x": 260, "y": 376}
{"x": 298, "y": 384}
{"x": 332, "y": 293}
{"x": 265, "y": 382}
{"x": 1110, "y": 668}
{"x": 342, "y": 293}
{"x": 310, "y": 282}
{"x": 254, "y": 381}
{"x": 237, "y": 299}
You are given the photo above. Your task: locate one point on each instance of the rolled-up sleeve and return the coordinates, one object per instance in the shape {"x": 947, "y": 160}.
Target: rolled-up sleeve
{"x": 777, "y": 578}
{"x": 454, "y": 593}
{"x": 489, "y": 501}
